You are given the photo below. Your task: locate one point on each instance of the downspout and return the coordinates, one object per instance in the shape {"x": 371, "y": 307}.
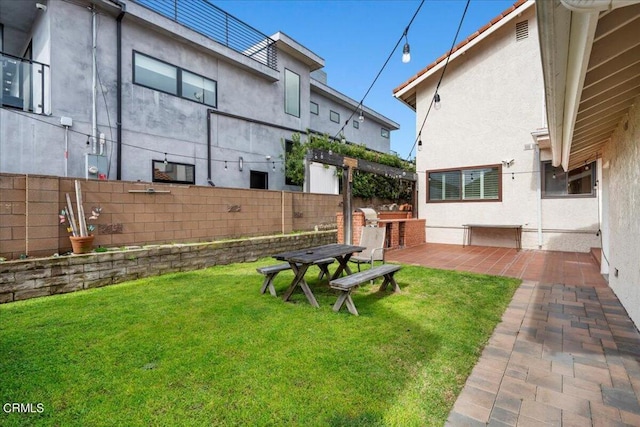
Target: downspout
{"x": 539, "y": 197}
{"x": 209, "y": 181}
{"x": 94, "y": 71}
{"x": 119, "y": 91}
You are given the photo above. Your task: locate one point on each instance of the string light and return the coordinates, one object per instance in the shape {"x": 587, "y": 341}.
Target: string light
{"x": 420, "y": 145}
{"x": 406, "y": 50}
{"x": 225, "y": 165}
{"x": 274, "y": 165}
{"x": 360, "y": 104}
{"x": 436, "y": 101}
{"x": 165, "y": 159}
{"x": 444, "y": 69}
{"x": 361, "y": 118}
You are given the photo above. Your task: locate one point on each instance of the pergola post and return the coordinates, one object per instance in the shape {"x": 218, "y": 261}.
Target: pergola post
{"x": 347, "y": 215}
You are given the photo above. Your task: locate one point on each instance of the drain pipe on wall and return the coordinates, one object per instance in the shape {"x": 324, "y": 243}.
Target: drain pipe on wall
{"x": 539, "y": 191}
{"x": 209, "y": 181}
{"x": 119, "y": 90}
{"x": 94, "y": 112}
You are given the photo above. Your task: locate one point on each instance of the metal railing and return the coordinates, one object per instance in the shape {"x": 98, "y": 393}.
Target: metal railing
{"x": 25, "y": 84}
{"x": 211, "y": 21}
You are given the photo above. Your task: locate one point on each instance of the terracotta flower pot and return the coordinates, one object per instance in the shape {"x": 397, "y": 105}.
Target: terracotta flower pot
{"x": 82, "y": 245}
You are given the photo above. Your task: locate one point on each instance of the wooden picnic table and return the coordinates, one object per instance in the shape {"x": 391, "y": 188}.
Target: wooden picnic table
{"x": 301, "y": 260}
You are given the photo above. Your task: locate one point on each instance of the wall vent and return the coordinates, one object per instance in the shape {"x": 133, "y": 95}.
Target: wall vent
{"x": 522, "y": 30}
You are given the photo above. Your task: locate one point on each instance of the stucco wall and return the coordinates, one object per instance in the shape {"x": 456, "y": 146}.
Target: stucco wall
{"x": 492, "y": 100}
{"x": 368, "y": 133}
{"x": 622, "y": 156}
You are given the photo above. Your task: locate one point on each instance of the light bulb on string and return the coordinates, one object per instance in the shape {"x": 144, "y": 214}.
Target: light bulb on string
{"x": 225, "y": 165}
{"x": 436, "y": 101}
{"x": 165, "y": 159}
{"x": 361, "y": 117}
{"x": 406, "y": 50}
{"x": 274, "y": 165}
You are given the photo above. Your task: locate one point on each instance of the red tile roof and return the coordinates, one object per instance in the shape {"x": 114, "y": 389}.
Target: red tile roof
{"x": 482, "y": 29}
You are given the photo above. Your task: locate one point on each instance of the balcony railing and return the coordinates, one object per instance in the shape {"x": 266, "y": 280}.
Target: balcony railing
{"x": 25, "y": 84}
{"x": 209, "y": 20}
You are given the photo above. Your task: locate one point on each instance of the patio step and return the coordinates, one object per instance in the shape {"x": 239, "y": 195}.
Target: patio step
{"x": 596, "y": 253}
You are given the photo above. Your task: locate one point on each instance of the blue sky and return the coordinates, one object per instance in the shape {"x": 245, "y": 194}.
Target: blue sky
{"x": 355, "y": 37}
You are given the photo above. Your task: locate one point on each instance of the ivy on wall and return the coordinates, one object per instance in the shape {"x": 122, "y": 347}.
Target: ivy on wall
{"x": 365, "y": 185}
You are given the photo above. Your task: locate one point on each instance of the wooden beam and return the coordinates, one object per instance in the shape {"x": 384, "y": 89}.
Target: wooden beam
{"x": 333, "y": 159}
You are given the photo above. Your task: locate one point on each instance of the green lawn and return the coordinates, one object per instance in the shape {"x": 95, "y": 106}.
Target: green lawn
{"x": 206, "y": 348}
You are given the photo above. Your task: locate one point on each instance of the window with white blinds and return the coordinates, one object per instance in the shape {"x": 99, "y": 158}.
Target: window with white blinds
{"x": 468, "y": 184}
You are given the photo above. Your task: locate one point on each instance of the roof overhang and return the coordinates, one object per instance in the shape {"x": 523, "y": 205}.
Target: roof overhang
{"x": 298, "y": 51}
{"x": 591, "y": 65}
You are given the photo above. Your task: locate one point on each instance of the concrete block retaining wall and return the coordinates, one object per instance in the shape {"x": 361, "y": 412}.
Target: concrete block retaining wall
{"x": 24, "y": 279}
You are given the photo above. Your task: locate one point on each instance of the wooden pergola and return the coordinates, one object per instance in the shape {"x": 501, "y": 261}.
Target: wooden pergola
{"x": 348, "y": 165}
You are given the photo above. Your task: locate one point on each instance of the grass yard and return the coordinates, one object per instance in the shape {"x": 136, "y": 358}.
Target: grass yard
{"x": 206, "y": 348}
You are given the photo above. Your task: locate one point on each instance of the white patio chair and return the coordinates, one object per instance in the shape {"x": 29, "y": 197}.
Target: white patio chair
{"x": 372, "y": 239}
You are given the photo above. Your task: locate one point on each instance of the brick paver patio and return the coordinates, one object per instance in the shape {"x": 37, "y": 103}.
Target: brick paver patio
{"x": 565, "y": 353}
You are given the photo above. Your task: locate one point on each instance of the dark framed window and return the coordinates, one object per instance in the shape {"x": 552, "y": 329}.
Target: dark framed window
{"x": 334, "y": 117}
{"x": 356, "y": 124}
{"x": 472, "y": 184}
{"x": 288, "y": 148}
{"x": 164, "y": 77}
{"x": 179, "y": 173}
{"x": 259, "y": 180}
{"x": 384, "y": 132}
{"x": 557, "y": 183}
{"x": 291, "y": 93}
{"x": 314, "y": 108}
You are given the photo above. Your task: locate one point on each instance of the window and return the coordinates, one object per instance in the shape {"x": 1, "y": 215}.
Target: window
{"x": 467, "y": 184}
{"x": 291, "y": 93}
{"x": 159, "y": 75}
{"x": 180, "y": 173}
{"x": 259, "y": 180}
{"x": 155, "y": 74}
{"x": 288, "y": 148}
{"x": 315, "y": 109}
{"x": 579, "y": 182}
{"x": 334, "y": 117}
{"x": 384, "y": 132}
{"x": 356, "y": 124}
{"x": 199, "y": 89}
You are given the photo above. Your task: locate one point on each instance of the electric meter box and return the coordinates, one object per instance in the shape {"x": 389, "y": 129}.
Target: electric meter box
{"x": 96, "y": 167}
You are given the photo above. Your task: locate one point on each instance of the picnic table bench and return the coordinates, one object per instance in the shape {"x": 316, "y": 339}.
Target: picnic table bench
{"x": 271, "y": 271}
{"x": 346, "y": 284}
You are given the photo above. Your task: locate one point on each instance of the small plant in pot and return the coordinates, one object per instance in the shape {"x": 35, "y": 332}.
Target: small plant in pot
{"x": 81, "y": 232}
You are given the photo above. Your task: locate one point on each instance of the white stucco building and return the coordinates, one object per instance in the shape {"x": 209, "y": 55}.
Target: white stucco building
{"x": 484, "y": 156}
